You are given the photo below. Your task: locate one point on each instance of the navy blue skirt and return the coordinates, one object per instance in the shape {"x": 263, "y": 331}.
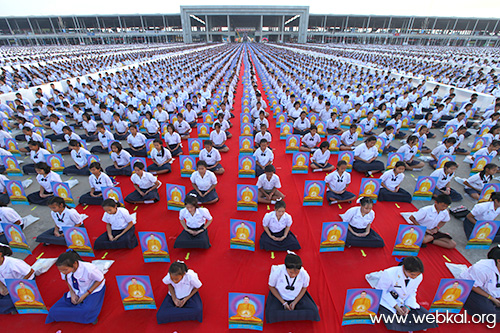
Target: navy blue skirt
{"x": 73, "y": 170}
{"x": 55, "y": 137}
{"x": 399, "y": 196}
{"x": 169, "y": 313}
{"x": 258, "y": 171}
{"x": 113, "y": 171}
{"x": 152, "y": 136}
{"x": 454, "y": 195}
{"x": 175, "y": 152}
{"x": 136, "y": 197}
{"x": 471, "y": 191}
{"x": 371, "y": 240}
{"x": 154, "y": 167}
{"x": 6, "y": 305}
{"x": 213, "y": 169}
{"x": 87, "y": 199}
{"x": 4, "y": 198}
{"x": 123, "y": 136}
{"x": 372, "y": 166}
{"x": 99, "y": 150}
{"x": 20, "y": 137}
{"x": 333, "y": 131}
{"x": 48, "y": 237}
{"x": 29, "y": 169}
{"x": 187, "y": 241}
{"x": 344, "y": 196}
{"x": 127, "y": 241}
{"x": 65, "y": 150}
{"x": 305, "y": 309}
{"x": 36, "y": 199}
{"x": 478, "y": 305}
{"x": 209, "y": 197}
{"x": 84, "y": 313}
{"x": 220, "y": 147}
{"x": 138, "y": 153}
{"x": 90, "y": 137}
{"x": 289, "y": 243}
{"x": 410, "y": 325}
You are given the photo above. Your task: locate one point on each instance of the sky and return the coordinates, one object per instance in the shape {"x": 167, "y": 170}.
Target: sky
{"x": 460, "y": 8}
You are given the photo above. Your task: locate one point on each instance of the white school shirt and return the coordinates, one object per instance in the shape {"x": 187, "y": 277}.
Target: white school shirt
{"x": 407, "y": 151}
{"x": 429, "y": 217}
{"x": 39, "y": 156}
{"x": 3, "y": 178}
{"x": 86, "y": 275}
{"x": 485, "y": 274}
{"x": 162, "y": 117}
{"x": 338, "y": 183}
{"x": 107, "y": 117}
{"x": 13, "y": 268}
{"x": 211, "y": 157}
{"x": 442, "y": 178}
{"x": 145, "y": 182}
{"x": 73, "y": 136}
{"x": 320, "y": 157}
{"x": 151, "y": 126}
{"x": 136, "y": 141}
{"x": 259, "y": 136}
{"x": 80, "y": 157}
{"x": 460, "y": 138}
{"x": 393, "y": 279}
{"x": 9, "y": 215}
{"x": 184, "y": 287}
{"x": 45, "y": 181}
{"x": 33, "y": 137}
{"x": 369, "y": 124}
{"x": 388, "y": 138}
{"x": 68, "y": 218}
{"x": 90, "y": 126}
{"x": 332, "y": 124}
{"x": 302, "y": 124}
{"x": 355, "y": 219}
{"x": 118, "y": 220}
{"x": 485, "y": 211}
{"x": 263, "y": 157}
{"x": 349, "y": 138}
{"x": 120, "y": 126}
{"x": 122, "y": 158}
{"x": 99, "y": 183}
{"x": 391, "y": 180}
{"x": 258, "y": 122}
{"x": 442, "y": 150}
{"x": 182, "y": 127}
{"x": 278, "y": 279}
{"x": 311, "y": 141}
{"x": 484, "y": 152}
{"x": 224, "y": 125}
{"x": 268, "y": 185}
{"x": 155, "y": 155}
{"x": 218, "y": 138}
{"x": 105, "y": 138}
{"x": 172, "y": 139}
{"x": 205, "y": 182}
{"x": 477, "y": 182}
{"x": 271, "y": 221}
{"x": 57, "y": 128}
{"x": 201, "y": 215}
{"x": 362, "y": 151}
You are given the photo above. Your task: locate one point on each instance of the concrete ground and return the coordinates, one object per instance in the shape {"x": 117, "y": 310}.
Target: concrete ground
{"x": 454, "y": 227}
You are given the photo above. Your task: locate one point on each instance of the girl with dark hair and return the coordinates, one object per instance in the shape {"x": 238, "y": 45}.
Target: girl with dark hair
{"x": 183, "y": 301}
{"x": 204, "y": 182}
{"x": 121, "y": 161}
{"x": 444, "y": 177}
{"x": 136, "y": 142}
{"x": 80, "y": 156}
{"x": 484, "y": 211}
{"x": 365, "y": 157}
{"x": 288, "y": 298}
{"x": 277, "y": 235}
{"x": 399, "y": 286}
{"x": 37, "y": 154}
{"x": 390, "y": 181}
{"x": 485, "y": 295}
{"x": 11, "y": 268}
{"x": 161, "y": 157}
{"x": 474, "y": 184}
{"x": 45, "y": 177}
{"x": 120, "y": 228}
{"x": 152, "y": 126}
{"x": 63, "y": 217}
{"x": 86, "y": 283}
{"x": 194, "y": 221}
{"x": 98, "y": 181}
{"x": 360, "y": 219}
{"x": 320, "y": 158}
{"x": 173, "y": 141}
{"x": 145, "y": 184}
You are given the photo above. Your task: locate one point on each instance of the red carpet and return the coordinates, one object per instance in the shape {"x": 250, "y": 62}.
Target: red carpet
{"x": 223, "y": 270}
